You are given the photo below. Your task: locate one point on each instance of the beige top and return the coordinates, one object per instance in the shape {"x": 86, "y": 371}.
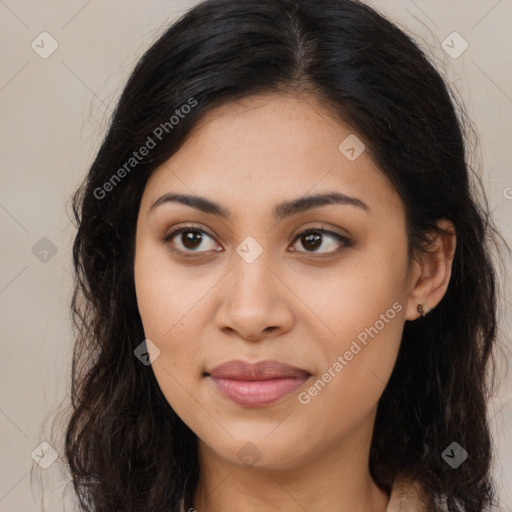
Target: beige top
{"x": 406, "y": 496}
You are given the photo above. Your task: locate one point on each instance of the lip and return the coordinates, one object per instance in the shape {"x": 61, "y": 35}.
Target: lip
{"x": 257, "y": 384}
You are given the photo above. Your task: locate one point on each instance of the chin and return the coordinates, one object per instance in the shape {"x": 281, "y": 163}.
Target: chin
{"x": 263, "y": 452}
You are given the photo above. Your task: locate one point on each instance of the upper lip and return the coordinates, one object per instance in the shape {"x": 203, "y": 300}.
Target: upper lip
{"x": 261, "y": 370}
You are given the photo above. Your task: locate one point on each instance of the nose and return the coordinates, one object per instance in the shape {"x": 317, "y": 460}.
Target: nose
{"x": 255, "y": 301}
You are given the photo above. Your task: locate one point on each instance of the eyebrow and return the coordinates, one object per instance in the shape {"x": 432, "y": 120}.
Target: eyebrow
{"x": 281, "y": 210}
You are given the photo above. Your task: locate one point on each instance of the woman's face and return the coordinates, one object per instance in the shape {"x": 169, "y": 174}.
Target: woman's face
{"x": 251, "y": 288}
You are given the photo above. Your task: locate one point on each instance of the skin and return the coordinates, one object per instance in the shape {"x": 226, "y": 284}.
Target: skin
{"x": 303, "y": 308}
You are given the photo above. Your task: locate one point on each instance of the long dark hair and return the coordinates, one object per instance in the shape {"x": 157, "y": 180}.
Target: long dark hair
{"x": 127, "y": 449}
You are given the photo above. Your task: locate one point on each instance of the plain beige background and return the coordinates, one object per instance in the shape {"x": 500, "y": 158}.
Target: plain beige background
{"x": 54, "y": 112}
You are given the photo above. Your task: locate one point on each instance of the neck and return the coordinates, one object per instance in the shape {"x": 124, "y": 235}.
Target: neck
{"x": 333, "y": 481}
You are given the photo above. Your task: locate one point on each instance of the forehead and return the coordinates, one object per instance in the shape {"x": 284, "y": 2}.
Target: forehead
{"x": 267, "y": 148}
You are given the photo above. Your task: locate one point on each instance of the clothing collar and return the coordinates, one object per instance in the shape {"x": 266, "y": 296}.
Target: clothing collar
{"x": 406, "y": 496}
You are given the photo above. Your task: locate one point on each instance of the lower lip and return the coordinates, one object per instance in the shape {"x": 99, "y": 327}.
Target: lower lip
{"x": 254, "y": 393}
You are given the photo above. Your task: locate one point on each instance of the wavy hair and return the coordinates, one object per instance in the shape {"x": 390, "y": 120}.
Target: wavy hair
{"x": 127, "y": 450}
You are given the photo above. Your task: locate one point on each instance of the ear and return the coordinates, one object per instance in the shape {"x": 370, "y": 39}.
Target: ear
{"x": 431, "y": 274}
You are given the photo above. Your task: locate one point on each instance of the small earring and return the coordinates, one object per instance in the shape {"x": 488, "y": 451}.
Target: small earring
{"x": 420, "y": 309}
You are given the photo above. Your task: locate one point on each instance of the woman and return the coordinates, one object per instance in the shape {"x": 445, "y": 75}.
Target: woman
{"x": 285, "y": 297}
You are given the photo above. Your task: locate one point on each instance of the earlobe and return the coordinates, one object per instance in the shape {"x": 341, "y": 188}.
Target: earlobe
{"x": 432, "y": 278}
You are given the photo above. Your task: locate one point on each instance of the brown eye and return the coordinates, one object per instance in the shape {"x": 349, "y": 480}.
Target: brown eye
{"x": 314, "y": 238}
{"x": 190, "y": 239}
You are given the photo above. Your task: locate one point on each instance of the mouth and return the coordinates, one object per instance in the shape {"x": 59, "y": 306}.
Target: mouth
{"x": 256, "y": 384}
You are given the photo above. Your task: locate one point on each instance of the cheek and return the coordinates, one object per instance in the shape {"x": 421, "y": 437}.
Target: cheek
{"x": 364, "y": 308}
{"x": 356, "y": 294}
{"x": 168, "y": 303}
{"x": 166, "y": 300}
{"x": 165, "y": 292}
{"x": 360, "y": 361}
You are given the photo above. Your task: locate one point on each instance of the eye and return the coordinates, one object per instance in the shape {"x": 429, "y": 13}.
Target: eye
{"x": 190, "y": 240}
{"x": 313, "y": 238}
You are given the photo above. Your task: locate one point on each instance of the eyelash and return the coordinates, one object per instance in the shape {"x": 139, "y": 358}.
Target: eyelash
{"x": 194, "y": 254}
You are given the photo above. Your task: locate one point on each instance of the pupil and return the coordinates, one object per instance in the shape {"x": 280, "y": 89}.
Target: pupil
{"x": 311, "y": 240}
{"x": 192, "y": 239}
